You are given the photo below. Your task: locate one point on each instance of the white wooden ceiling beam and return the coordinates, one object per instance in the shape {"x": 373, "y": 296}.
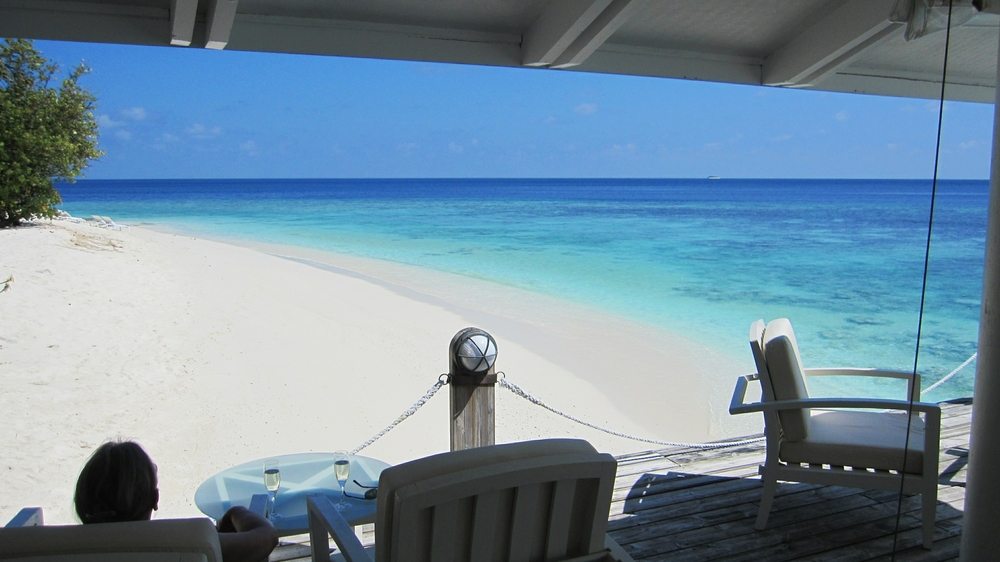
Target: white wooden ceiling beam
{"x": 221, "y": 15}
{"x": 597, "y": 33}
{"x": 182, "y": 16}
{"x": 556, "y": 28}
{"x": 829, "y": 44}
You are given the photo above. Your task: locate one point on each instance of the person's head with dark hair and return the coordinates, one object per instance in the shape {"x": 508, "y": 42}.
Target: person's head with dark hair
{"x": 118, "y": 483}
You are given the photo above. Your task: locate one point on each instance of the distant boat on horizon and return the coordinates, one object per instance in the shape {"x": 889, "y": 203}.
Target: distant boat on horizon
{"x": 714, "y": 177}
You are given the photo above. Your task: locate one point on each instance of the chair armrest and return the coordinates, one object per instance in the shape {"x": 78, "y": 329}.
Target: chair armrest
{"x": 912, "y": 380}
{"x": 258, "y": 504}
{"x": 27, "y": 517}
{"x": 325, "y": 521}
{"x": 835, "y": 403}
{"x": 618, "y": 553}
{"x": 736, "y": 405}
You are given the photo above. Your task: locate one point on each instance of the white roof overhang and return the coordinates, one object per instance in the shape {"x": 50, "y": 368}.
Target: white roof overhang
{"x": 832, "y": 45}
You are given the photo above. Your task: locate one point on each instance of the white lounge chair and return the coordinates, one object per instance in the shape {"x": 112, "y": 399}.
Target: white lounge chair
{"x": 98, "y": 221}
{"x": 540, "y": 500}
{"x": 842, "y": 446}
{"x": 112, "y": 224}
{"x": 64, "y": 216}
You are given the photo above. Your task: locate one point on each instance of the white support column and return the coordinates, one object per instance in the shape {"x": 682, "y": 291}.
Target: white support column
{"x": 221, "y": 15}
{"x": 980, "y": 536}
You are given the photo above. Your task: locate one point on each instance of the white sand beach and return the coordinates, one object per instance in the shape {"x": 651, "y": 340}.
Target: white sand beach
{"x": 212, "y": 354}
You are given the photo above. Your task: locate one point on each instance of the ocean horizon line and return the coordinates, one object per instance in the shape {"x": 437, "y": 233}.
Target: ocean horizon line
{"x": 528, "y": 178}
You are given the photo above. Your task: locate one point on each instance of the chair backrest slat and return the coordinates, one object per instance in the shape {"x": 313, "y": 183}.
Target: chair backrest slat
{"x": 560, "y": 518}
{"x": 528, "y": 518}
{"x": 443, "y": 538}
{"x": 484, "y": 528}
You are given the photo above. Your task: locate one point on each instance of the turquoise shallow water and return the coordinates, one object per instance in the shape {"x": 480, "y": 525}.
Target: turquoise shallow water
{"x": 842, "y": 258}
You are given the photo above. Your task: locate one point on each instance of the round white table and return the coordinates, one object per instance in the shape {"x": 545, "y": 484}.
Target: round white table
{"x": 301, "y": 475}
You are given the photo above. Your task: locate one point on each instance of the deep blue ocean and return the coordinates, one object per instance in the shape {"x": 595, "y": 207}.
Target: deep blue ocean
{"x": 843, "y": 259}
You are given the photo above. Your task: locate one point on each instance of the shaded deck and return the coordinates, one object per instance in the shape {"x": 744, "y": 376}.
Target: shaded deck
{"x": 685, "y": 504}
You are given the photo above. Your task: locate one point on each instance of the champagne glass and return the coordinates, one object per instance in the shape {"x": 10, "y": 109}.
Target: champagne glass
{"x": 342, "y": 469}
{"x": 272, "y": 479}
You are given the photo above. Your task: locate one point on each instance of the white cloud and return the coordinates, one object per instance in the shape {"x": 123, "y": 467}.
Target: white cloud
{"x": 407, "y": 146}
{"x": 108, "y": 122}
{"x": 167, "y": 137}
{"x": 475, "y": 142}
{"x": 714, "y": 145}
{"x": 455, "y": 147}
{"x": 967, "y": 145}
{"x": 629, "y": 148}
{"x": 250, "y": 147}
{"x": 782, "y": 138}
{"x": 841, "y": 115}
{"x": 586, "y": 108}
{"x": 134, "y": 113}
{"x": 124, "y": 135}
{"x": 200, "y": 131}
{"x": 892, "y": 146}
{"x": 549, "y": 120}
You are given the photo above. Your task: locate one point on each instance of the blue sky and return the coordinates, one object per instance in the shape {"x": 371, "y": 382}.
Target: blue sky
{"x": 195, "y": 113}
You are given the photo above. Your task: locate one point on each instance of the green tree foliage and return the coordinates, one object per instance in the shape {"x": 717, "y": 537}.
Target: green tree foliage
{"x": 46, "y": 133}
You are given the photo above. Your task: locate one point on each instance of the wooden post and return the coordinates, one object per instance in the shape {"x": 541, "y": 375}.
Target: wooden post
{"x": 472, "y": 398}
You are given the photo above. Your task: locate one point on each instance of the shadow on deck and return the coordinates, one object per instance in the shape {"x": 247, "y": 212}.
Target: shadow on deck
{"x": 684, "y": 504}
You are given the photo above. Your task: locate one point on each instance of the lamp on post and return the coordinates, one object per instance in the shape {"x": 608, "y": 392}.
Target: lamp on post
{"x": 471, "y": 358}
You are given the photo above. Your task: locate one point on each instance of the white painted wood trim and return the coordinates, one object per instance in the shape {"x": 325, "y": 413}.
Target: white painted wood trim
{"x": 617, "y": 13}
{"x": 830, "y": 44}
{"x": 182, "y": 16}
{"x": 221, "y": 15}
{"x": 556, "y": 28}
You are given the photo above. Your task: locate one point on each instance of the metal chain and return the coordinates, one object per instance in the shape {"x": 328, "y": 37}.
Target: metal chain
{"x": 945, "y": 378}
{"x": 518, "y": 391}
{"x": 442, "y": 380}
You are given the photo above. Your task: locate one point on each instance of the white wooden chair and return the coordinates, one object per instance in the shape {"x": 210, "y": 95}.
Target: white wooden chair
{"x": 163, "y": 540}
{"x": 26, "y": 538}
{"x": 848, "y": 444}
{"x": 542, "y": 500}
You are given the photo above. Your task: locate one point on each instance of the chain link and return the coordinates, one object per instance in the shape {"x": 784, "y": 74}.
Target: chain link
{"x": 442, "y": 380}
{"x": 518, "y": 391}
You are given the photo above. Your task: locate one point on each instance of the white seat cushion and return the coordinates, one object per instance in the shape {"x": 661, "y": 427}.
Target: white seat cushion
{"x": 859, "y": 439}
{"x": 785, "y": 367}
